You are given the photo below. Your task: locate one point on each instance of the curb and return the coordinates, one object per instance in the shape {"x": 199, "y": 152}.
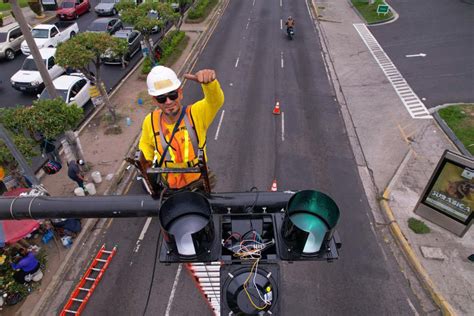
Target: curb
{"x": 412, "y": 258}
{"x": 442, "y": 124}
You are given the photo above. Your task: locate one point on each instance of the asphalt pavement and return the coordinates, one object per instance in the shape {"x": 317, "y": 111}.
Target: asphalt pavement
{"x": 390, "y": 166}
{"x": 442, "y": 32}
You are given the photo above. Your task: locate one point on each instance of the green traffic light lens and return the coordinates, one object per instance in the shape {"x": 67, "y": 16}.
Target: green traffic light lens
{"x": 314, "y": 226}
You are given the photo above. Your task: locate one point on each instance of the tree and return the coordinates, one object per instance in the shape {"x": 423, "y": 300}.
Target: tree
{"x": 137, "y": 15}
{"x": 51, "y": 118}
{"x": 182, "y": 7}
{"x": 87, "y": 48}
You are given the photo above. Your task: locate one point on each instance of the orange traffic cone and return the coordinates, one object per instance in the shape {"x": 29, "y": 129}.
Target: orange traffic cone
{"x": 274, "y": 186}
{"x": 276, "y": 109}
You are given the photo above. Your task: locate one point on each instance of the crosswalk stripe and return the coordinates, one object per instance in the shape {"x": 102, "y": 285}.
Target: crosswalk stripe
{"x": 393, "y": 75}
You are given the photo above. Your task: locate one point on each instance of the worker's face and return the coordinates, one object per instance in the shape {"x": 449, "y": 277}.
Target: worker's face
{"x": 170, "y": 103}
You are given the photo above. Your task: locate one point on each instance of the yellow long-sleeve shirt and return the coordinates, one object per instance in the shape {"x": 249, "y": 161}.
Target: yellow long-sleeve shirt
{"x": 203, "y": 113}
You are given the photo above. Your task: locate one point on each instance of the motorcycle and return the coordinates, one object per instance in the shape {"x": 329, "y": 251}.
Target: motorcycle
{"x": 291, "y": 32}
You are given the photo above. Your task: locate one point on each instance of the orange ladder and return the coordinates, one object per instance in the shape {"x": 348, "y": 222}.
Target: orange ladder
{"x": 83, "y": 291}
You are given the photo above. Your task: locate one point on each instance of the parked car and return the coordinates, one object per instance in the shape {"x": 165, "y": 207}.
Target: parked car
{"x": 109, "y": 25}
{"x": 72, "y": 9}
{"x": 133, "y": 39}
{"x": 153, "y": 15}
{"x": 10, "y": 40}
{"x": 73, "y": 88}
{"x": 28, "y": 78}
{"x": 106, "y": 7}
{"x": 50, "y": 35}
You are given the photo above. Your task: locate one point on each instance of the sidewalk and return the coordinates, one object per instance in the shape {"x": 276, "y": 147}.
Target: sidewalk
{"x": 104, "y": 153}
{"x": 392, "y": 165}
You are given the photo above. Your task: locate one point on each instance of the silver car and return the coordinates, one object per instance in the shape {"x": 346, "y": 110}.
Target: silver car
{"x": 10, "y": 40}
{"x": 106, "y": 7}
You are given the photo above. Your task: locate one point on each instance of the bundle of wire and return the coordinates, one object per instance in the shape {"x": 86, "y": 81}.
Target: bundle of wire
{"x": 249, "y": 249}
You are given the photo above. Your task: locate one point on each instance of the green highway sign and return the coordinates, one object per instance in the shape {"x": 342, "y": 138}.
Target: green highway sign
{"x": 383, "y": 8}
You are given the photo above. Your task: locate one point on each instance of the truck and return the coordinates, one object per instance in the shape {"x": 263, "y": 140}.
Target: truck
{"x": 28, "y": 78}
{"x": 50, "y": 35}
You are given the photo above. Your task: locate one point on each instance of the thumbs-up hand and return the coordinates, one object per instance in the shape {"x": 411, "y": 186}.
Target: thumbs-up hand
{"x": 202, "y": 76}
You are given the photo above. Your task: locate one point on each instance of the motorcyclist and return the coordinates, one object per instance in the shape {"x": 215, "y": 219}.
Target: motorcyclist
{"x": 290, "y": 23}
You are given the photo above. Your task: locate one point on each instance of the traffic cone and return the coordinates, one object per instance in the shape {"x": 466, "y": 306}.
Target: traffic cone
{"x": 276, "y": 109}
{"x": 274, "y": 186}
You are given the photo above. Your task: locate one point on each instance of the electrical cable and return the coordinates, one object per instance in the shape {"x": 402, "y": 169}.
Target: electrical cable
{"x": 155, "y": 260}
{"x": 248, "y": 294}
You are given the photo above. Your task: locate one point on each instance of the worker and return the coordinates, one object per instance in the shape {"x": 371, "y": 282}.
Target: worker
{"x": 161, "y": 143}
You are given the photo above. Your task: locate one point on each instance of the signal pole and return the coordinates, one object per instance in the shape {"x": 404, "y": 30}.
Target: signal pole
{"x": 48, "y": 83}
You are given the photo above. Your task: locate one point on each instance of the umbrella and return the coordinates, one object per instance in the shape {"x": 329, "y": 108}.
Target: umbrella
{"x": 11, "y": 230}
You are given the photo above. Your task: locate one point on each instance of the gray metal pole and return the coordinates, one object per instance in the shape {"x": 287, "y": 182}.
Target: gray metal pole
{"x": 18, "y": 157}
{"x": 133, "y": 205}
{"x": 48, "y": 83}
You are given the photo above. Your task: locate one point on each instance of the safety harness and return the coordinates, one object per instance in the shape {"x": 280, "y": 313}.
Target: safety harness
{"x": 168, "y": 156}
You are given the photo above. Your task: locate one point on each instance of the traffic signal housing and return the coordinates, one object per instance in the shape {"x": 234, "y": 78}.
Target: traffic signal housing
{"x": 195, "y": 231}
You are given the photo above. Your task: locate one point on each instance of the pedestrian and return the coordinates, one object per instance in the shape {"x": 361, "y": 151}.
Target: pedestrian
{"x": 179, "y": 145}
{"x": 75, "y": 173}
{"x": 26, "y": 264}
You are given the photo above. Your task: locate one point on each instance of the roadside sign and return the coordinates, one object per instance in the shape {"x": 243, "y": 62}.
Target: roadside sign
{"x": 383, "y": 9}
{"x": 447, "y": 199}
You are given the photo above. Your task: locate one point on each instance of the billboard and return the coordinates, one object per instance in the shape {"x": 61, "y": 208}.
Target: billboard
{"x": 450, "y": 193}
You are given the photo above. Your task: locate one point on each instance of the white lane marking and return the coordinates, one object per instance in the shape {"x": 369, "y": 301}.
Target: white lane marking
{"x": 282, "y": 126}
{"x": 282, "y": 62}
{"x": 219, "y": 126}
{"x": 237, "y": 62}
{"x": 281, "y": 24}
{"x": 281, "y": 3}
{"x": 253, "y": 4}
{"x": 416, "y": 55}
{"x": 248, "y": 23}
{"x": 142, "y": 234}
{"x": 412, "y": 307}
{"x": 414, "y": 106}
{"x": 173, "y": 290}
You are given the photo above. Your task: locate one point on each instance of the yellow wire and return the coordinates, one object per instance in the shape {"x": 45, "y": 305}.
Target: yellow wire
{"x": 245, "y": 288}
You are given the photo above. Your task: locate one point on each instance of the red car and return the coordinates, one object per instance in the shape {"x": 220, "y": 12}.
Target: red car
{"x": 71, "y": 9}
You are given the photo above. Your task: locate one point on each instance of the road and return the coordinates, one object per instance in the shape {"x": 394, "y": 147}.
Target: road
{"x": 112, "y": 74}
{"x": 304, "y": 147}
{"x": 442, "y": 30}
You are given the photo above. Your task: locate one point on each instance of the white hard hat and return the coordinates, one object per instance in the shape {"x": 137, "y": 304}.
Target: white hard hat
{"x": 161, "y": 80}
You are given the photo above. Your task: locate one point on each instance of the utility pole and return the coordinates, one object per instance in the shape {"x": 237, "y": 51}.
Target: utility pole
{"x": 26, "y": 170}
{"x": 48, "y": 83}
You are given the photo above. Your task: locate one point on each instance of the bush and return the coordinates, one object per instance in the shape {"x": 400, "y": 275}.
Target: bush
{"x": 201, "y": 9}
{"x": 170, "y": 42}
{"x": 146, "y": 66}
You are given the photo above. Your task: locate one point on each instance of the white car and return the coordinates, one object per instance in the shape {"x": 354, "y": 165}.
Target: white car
{"x": 50, "y": 35}
{"x": 72, "y": 88}
{"x": 28, "y": 78}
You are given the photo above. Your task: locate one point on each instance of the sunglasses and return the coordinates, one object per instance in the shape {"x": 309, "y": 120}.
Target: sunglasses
{"x": 173, "y": 95}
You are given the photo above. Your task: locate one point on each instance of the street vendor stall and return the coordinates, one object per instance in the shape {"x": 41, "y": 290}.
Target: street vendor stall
{"x": 12, "y": 231}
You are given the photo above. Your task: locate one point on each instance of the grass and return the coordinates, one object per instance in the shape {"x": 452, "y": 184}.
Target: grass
{"x": 460, "y": 119}
{"x": 177, "y": 52}
{"x": 369, "y": 11}
{"x": 419, "y": 227}
{"x": 7, "y": 6}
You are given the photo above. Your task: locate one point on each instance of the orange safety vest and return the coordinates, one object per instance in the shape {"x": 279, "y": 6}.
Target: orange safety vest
{"x": 183, "y": 149}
